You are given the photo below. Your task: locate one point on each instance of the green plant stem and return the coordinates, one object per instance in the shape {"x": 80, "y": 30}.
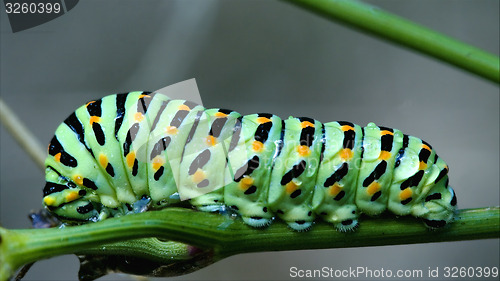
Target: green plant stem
{"x": 382, "y": 24}
{"x": 227, "y": 236}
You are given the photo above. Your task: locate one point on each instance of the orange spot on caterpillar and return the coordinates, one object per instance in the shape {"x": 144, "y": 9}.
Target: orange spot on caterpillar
{"x": 184, "y": 107}
{"x": 95, "y": 119}
{"x": 385, "y": 132}
{"x": 346, "y": 128}
{"x": 305, "y": 124}
{"x": 130, "y": 159}
{"x": 346, "y": 154}
{"x": 144, "y": 96}
{"x": 138, "y": 116}
{"x": 57, "y": 157}
{"x": 303, "y": 150}
{"x": 157, "y": 163}
{"x": 246, "y": 182}
{"x": 373, "y": 188}
{"x": 78, "y": 179}
{"x": 171, "y": 130}
{"x": 291, "y": 187}
{"x": 71, "y": 196}
{"x": 198, "y": 176}
{"x": 424, "y": 146}
{"x": 422, "y": 165}
{"x": 89, "y": 103}
{"x": 334, "y": 189}
{"x": 405, "y": 194}
{"x": 211, "y": 140}
{"x": 103, "y": 160}
{"x": 257, "y": 146}
{"x": 384, "y": 155}
{"x": 262, "y": 120}
{"x": 49, "y": 201}
{"x": 220, "y": 114}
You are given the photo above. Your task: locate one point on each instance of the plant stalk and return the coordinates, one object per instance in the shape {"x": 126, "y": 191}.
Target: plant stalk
{"x": 22, "y": 135}
{"x": 226, "y": 236}
{"x": 379, "y": 23}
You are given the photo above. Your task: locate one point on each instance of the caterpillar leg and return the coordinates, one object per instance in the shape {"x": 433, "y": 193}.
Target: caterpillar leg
{"x": 438, "y": 207}
{"x": 257, "y": 221}
{"x": 441, "y": 208}
{"x": 347, "y": 218}
{"x": 344, "y": 218}
{"x": 300, "y": 225}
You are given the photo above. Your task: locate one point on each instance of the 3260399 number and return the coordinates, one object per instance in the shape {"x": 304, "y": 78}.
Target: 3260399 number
{"x": 470, "y": 272}
{"x": 32, "y": 8}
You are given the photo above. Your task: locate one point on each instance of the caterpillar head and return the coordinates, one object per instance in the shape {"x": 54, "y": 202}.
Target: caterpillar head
{"x": 63, "y": 197}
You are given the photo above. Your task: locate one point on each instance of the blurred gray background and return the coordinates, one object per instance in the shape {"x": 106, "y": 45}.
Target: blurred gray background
{"x": 261, "y": 56}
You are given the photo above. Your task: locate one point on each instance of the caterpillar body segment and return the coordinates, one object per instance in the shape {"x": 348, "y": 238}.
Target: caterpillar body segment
{"x": 336, "y": 184}
{"x": 129, "y": 152}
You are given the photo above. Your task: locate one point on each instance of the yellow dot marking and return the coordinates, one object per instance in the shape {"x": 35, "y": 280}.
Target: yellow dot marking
{"x": 78, "y": 179}
{"x": 346, "y": 154}
{"x": 384, "y": 155}
{"x": 95, "y": 119}
{"x": 143, "y": 96}
{"x": 373, "y": 188}
{"x": 49, "y": 201}
{"x": 334, "y": 189}
{"x": 171, "y": 130}
{"x": 424, "y": 146}
{"x": 246, "y": 182}
{"x": 422, "y": 165}
{"x": 198, "y": 176}
{"x": 303, "y": 150}
{"x": 138, "y": 116}
{"x": 157, "y": 163}
{"x": 103, "y": 160}
{"x": 405, "y": 194}
{"x": 184, "y": 107}
{"x": 385, "y": 132}
{"x": 262, "y": 120}
{"x": 211, "y": 140}
{"x": 130, "y": 159}
{"x": 291, "y": 187}
{"x": 257, "y": 146}
{"x": 306, "y": 124}
{"x": 220, "y": 114}
{"x": 346, "y": 128}
{"x": 72, "y": 196}
{"x": 57, "y": 157}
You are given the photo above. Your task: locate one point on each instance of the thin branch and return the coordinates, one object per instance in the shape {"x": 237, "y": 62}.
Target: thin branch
{"x": 225, "y": 236}
{"x": 22, "y": 135}
{"x": 397, "y": 30}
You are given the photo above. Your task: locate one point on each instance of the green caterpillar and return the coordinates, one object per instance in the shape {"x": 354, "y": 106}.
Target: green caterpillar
{"x": 130, "y": 152}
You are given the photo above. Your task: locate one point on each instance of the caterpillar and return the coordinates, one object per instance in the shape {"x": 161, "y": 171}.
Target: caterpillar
{"x": 131, "y": 152}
